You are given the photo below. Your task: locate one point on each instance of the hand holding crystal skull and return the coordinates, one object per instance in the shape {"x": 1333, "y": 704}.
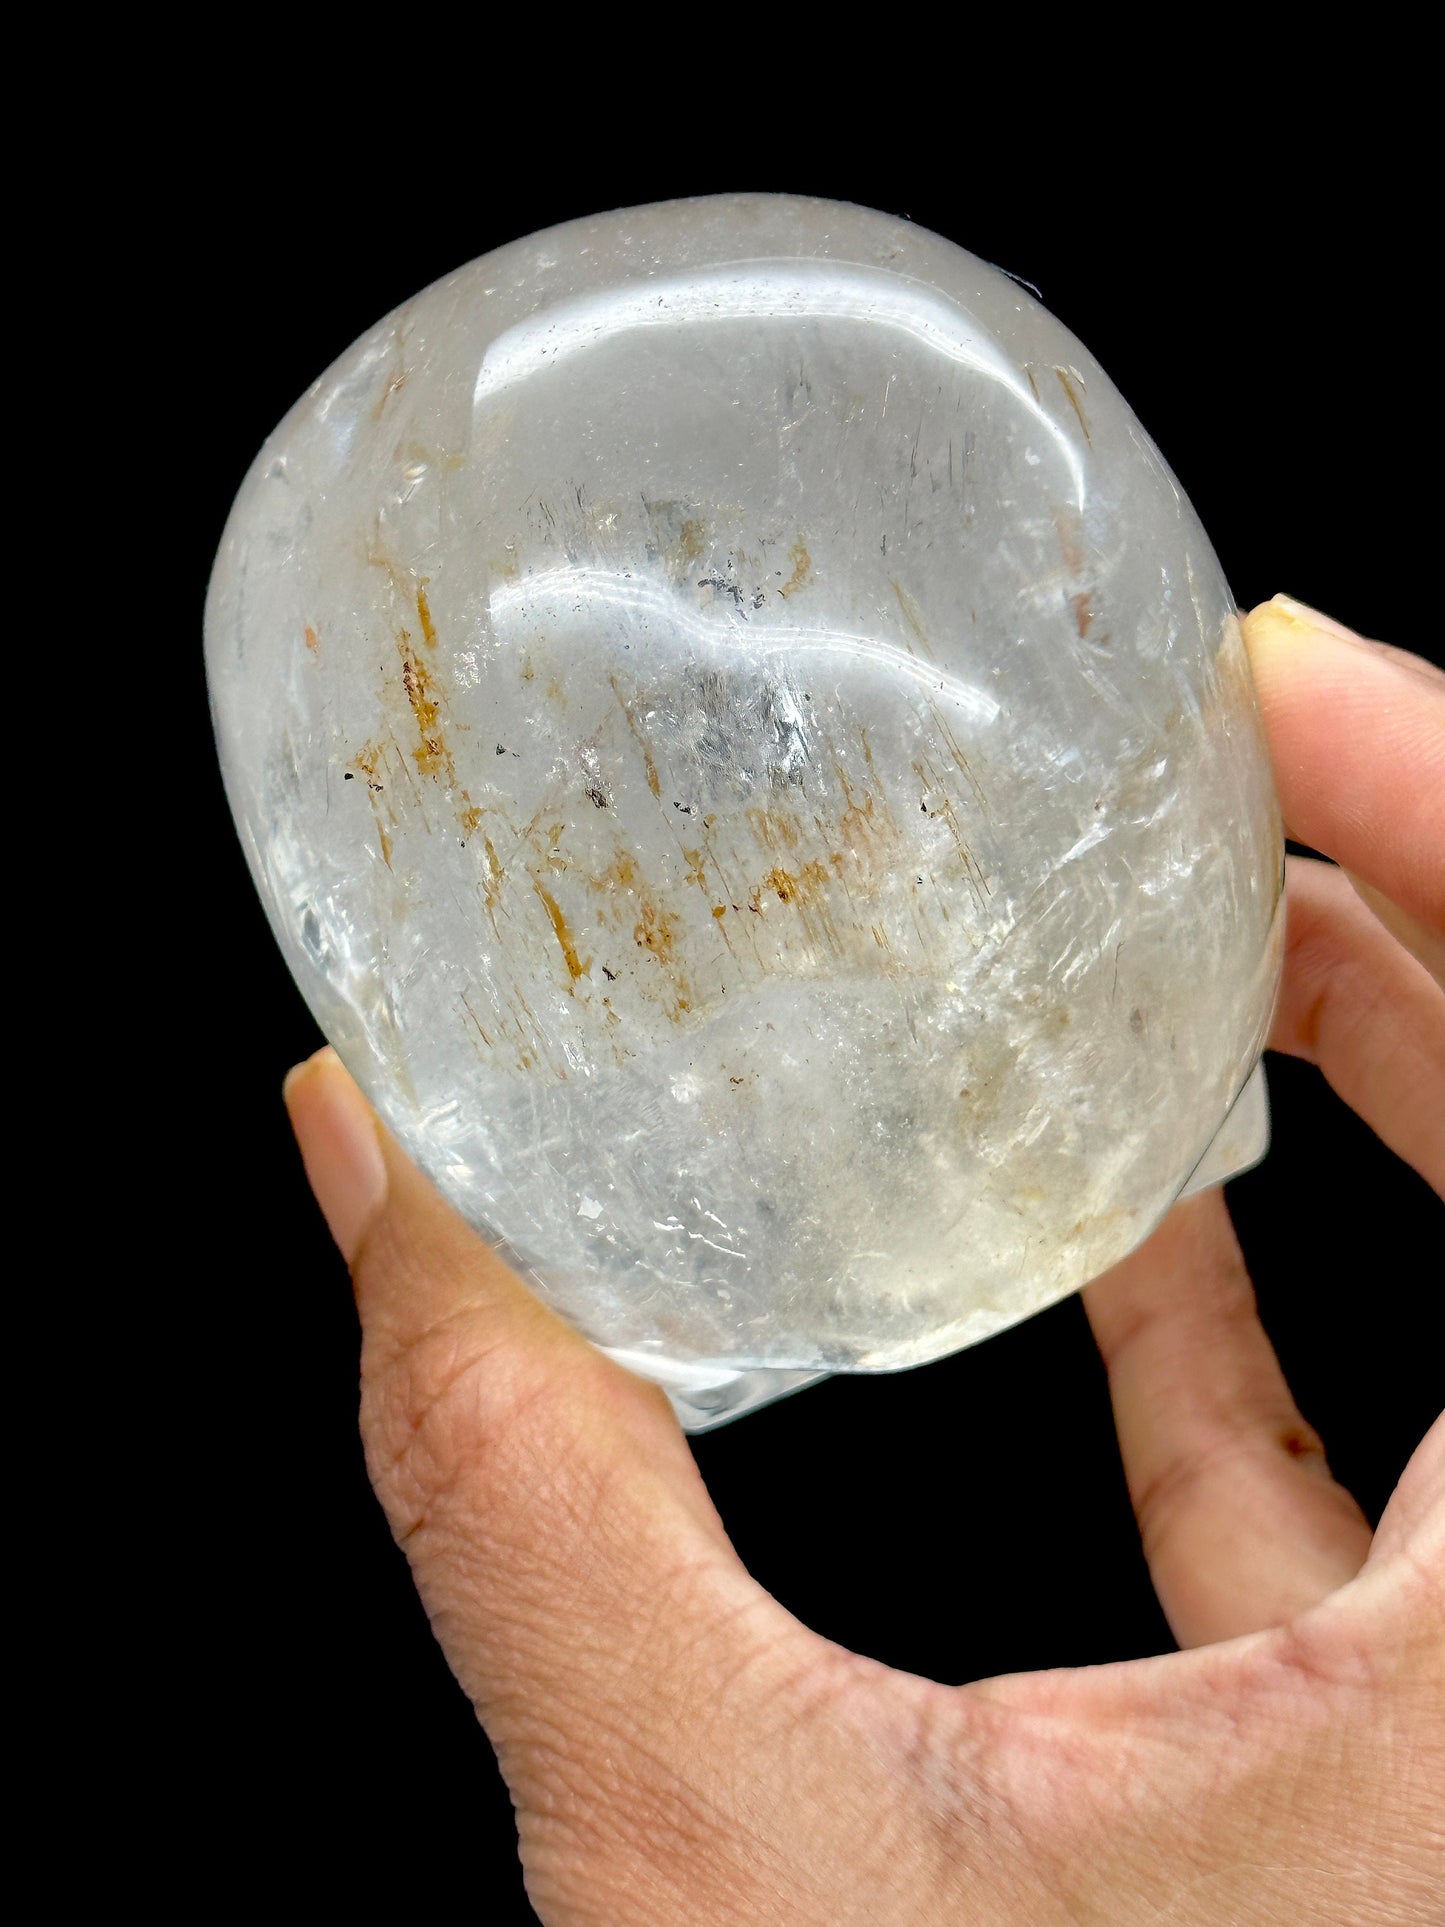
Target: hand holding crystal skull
{"x": 750, "y": 757}
{"x": 371, "y": 636}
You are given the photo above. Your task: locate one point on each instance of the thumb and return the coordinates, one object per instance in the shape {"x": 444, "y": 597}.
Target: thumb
{"x": 556, "y": 1525}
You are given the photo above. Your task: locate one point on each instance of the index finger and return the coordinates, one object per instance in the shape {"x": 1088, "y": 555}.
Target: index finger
{"x": 1357, "y": 737}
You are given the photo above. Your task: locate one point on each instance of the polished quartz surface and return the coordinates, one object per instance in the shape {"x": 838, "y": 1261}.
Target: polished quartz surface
{"x": 749, "y": 754}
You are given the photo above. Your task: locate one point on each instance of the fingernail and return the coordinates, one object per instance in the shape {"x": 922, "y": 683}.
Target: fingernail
{"x": 1301, "y": 615}
{"x": 336, "y": 1131}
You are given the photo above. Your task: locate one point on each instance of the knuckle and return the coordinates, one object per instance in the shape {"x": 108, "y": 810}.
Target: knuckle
{"x": 461, "y": 1416}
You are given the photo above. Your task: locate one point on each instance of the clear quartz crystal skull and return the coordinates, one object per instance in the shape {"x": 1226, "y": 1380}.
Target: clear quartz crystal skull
{"x": 749, "y": 755}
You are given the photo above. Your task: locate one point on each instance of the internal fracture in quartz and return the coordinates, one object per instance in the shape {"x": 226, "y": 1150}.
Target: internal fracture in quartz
{"x": 749, "y": 755}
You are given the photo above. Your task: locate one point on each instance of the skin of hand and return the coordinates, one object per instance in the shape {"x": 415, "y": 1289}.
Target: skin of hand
{"x": 680, "y": 1748}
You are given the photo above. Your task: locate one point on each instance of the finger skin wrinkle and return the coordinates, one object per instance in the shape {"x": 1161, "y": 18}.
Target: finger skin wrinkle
{"x": 954, "y": 1748}
{"x": 409, "y": 1391}
{"x": 443, "y": 1426}
{"x": 1221, "y": 1297}
{"x": 1343, "y": 1002}
{"x": 1163, "y": 1502}
{"x": 1239, "y": 1518}
{"x": 1324, "y": 1654}
{"x": 1072, "y": 1790}
{"x": 1355, "y": 1003}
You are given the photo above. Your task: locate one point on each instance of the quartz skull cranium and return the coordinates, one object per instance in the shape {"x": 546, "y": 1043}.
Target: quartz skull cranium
{"x": 749, "y": 754}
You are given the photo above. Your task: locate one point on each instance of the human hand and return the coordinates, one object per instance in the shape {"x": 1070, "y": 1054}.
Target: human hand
{"x": 680, "y": 1748}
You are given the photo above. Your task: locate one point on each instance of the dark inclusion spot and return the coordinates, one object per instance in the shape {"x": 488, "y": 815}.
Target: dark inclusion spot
{"x": 610, "y": 975}
{"x": 501, "y": 749}
{"x": 349, "y": 777}
{"x": 721, "y": 586}
{"x": 686, "y": 808}
{"x": 598, "y": 796}
{"x": 1136, "y": 1021}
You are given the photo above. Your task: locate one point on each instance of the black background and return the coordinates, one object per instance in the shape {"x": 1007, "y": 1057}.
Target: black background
{"x": 960, "y": 1520}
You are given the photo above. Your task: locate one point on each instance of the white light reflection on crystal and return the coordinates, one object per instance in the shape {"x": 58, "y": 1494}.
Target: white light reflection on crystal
{"x": 783, "y": 291}
{"x": 561, "y": 589}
